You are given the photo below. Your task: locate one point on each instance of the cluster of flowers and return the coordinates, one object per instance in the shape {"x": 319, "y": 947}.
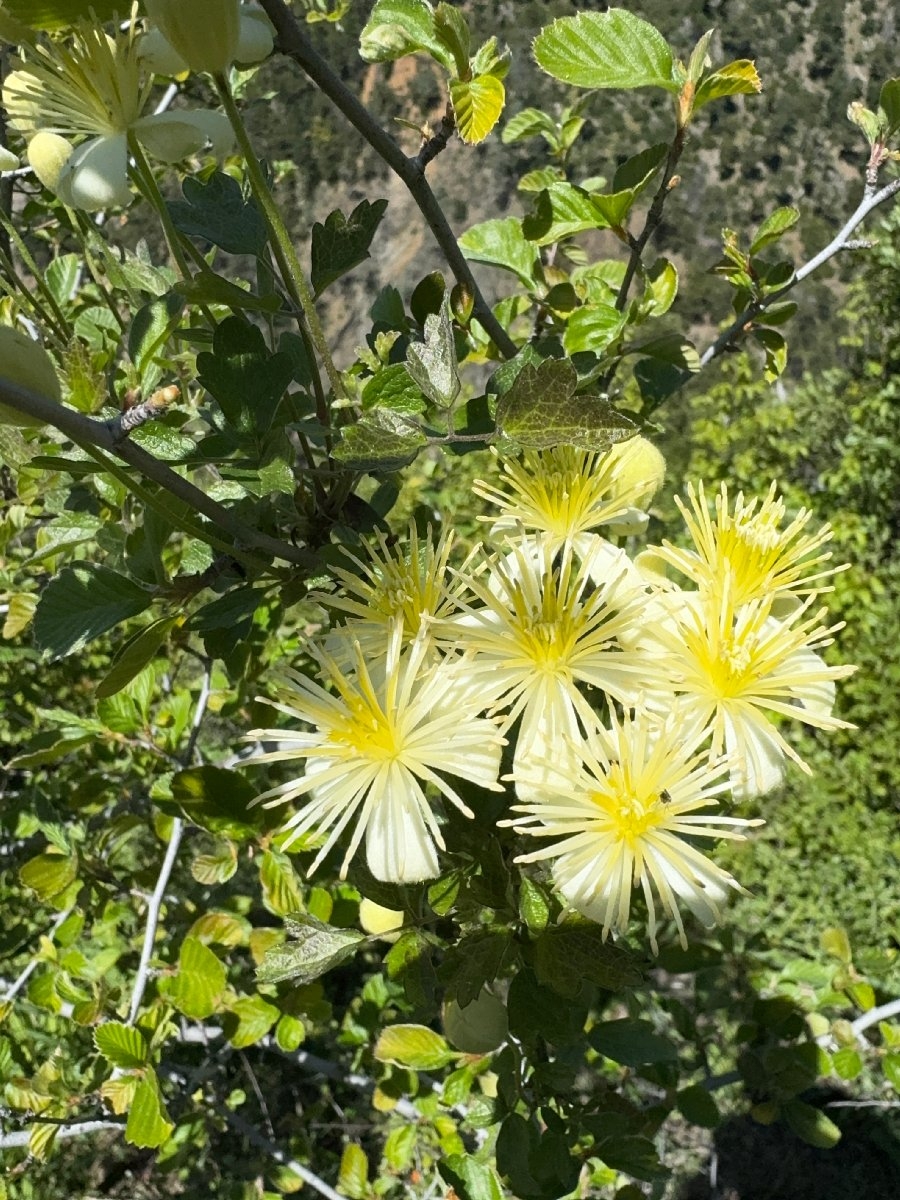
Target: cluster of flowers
{"x": 634, "y": 704}
{"x": 80, "y": 103}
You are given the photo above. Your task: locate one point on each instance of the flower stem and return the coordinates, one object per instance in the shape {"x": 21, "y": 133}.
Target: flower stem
{"x": 282, "y": 246}
{"x": 148, "y": 186}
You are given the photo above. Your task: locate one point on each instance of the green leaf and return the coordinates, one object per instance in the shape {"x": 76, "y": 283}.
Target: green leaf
{"x": 414, "y": 1046}
{"x": 660, "y": 289}
{"x": 49, "y": 874}
{"x": 218, "y": 212}
{"x": 567, "y": 955}
{"x": 393, "y": 387}
{"x": 775, "y": 347}
{"x": 80, "y": 603}
{"x": 847, "y": 1063}
{"x": 248, "y": 1020}
{"x": 614, "y": 49}
{"x": 197, "y": 987}
{"x": 137, "y": 652}
{"x": 473, "y": 962}
{"x": 542, "y": 409}
{"x": 223, "y": 928}
{"x": 280, "y": 888}
{"x": 631, "y": 1042}
{"x": 381, "y": 440}
{"x": 889, "y": 102}
{"x": 64, "y": 531}
{"x": 208, "y": 287}
{"x": 432, "y": 363}
{"x": 477, "y": 105}
{"x": 810, "y": 1124}
{"x": 470, "y": 1180}
{"x": 734, "y": 79}
{"x": 57, "y": 14}
{"x": 635, "y": 1156}
{"x": 529, "y": 123}
{"x": 560, "y": 211}
{"x": 353, "y": 1176}
{"x": 501, "y": 243}
{"x": 151, "y": 328}
{"x": 891, "y": 1066}
{"x": 289, "y": 1033}
{"x": 121, "y": 1044}
{"x": 534, "y": 906}
{"x": 217, "y": 800}
{"x": 774, "y": 226}
{"x": 246, "y": 378}
{"x": 342, "y": 243}
{"x": 316, "y": 948}
{"x": 148, "y": 1122}
{"x": 592, "y": 327}
{"x": 452, "y": 31}
{"x": 400, "y": 27}
{"x": 697, "y": 1105}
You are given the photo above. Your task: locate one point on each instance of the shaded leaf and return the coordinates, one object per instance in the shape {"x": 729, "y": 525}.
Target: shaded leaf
{"x": 470, "y": 1180}
{"x": 82, "y": 602}
{"x": 381, "y": 440}
{"x": 542, "y": 409}
{"x": 342, "y": 243}
{"x": 244, "y": 376}
{"x": 631, "y": 1042}
{"x": 137, "y": 652}
{"x": 569, "y": 954}
{"x": 810, "y": 1124}
{"x": 218, "y": 211}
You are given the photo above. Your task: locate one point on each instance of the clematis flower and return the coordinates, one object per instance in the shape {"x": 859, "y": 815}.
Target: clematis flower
{"x": 372, "y": 748}
{"x": 733, "y": 665}
{"x": 77, "y": 104}
{"x": 540, "y": 625}
{"x": 750, "y": 545}
{"x": 619, "y": 820}
{"x": 567, "y": 493}
{"x": 408, "y": 583}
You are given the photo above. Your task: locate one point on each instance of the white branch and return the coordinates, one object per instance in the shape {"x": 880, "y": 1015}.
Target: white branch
{"x": 19, "y": 982}
{"x": 9, "y": 1141}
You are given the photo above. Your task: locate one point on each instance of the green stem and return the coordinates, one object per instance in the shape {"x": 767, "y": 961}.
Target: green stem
{"x": 65, "y": 329}
{"x": 148, "y": 186}
{"x": 282, "y": 246}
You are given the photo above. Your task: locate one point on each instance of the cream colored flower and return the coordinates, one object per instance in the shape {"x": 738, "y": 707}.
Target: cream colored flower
{"x": 620, "y": 821}
{"x": 373, "y": 748}
{"x": 750, "y": 545}
{"x": 733, "y": 665}
{"x": 89, "y": 95}
{"x": 563, "y": 492}
{"x": 205, "y": 35}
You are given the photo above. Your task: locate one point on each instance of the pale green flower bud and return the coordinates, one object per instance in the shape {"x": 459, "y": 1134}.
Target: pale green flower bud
{"x": 159, "y": 56}
{"x": 479, "y": 1027}
{"x": 25, "y": 362}
{"x": 48, "y": 153}
{"x": 8, "y": 160}
{"x": 257, "y": 37}
{"x": 638, "y": 465}
{"x": 204, "y": 32}
{"x": 172, "y": 136}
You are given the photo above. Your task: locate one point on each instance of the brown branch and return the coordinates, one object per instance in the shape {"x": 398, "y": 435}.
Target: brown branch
{"x": 86, "y": 432}
{"x": 292, "y": 42}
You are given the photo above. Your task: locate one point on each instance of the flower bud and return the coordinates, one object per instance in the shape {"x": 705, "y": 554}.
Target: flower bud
{"x": 479, "y": 1027}
{"x": 8, "y": 160}
{"x": 48, "y": 153}
{"x": 204, "y": 33}
{"x": 638, "y": 465}
{"x": 96, "y": 175}
{"x": 380, "y": 921}
{"x": 257, "y": 37}
{"x": 26, "y": 363}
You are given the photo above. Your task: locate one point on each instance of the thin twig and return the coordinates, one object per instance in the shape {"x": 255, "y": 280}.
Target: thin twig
{"x": 155, "y": 903}
{"x": 239, "y": 1125}
{"x": 19, "y": 982}
{"x": 292, "y": 42}
{"x": 9, "y": 1141}
{"x": 86, "y": 431}
{"x": 841, "y": 241}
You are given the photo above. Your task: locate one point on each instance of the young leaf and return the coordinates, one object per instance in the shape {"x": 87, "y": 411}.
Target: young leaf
{"x": 121, "y": 1044}
{"x": 316, "y": 948}
{"x": 342, "y": 243}
{"x": 414, "y": 1046}
{"x": 393, "y": 387}
{"x": 148, "y": 1122}
{"x": 529, "y": 123}
{"x": 592, "y": 327}
{"x": 353, "y": 1177}
{"x": 248, "y": 1020}
{"x": 477, "y": 106}
{"x": 501, "y": 243}
{"x": 151, "y": 328}
{"x": 49, "y": 874}
{"x": 737, "y": 78}
{"x": 82, "y": 602}
{"x": 561, "y": 211}
{"x": 774, "y": 226}
{"x": 889, "y": 103}
{"x": 199, "y": 983}
{"x": 614, "y": 49}
{"x": 399, "y": 27}
{"x": 452, "y": 31}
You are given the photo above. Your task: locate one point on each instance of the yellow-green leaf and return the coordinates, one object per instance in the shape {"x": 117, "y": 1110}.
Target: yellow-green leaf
{"x": 148, "y": 1122}
{"x": 414, "y": 1046}
{"x": 122, "y": 1045}
{"x": 477, "y": 104}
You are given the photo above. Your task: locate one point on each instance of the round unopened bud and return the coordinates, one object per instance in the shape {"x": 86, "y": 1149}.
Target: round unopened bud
{"x": 257, "y": 37}
{"x": 379, "y": 921}
{"x": 8, "y": 160}
{"x": 48, "y": 154}
{"x": 205, "y": 33}
{"x": 26, "y": 363}
{"x": 478, "y": 1027}
{"x": 639, "y": 473}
